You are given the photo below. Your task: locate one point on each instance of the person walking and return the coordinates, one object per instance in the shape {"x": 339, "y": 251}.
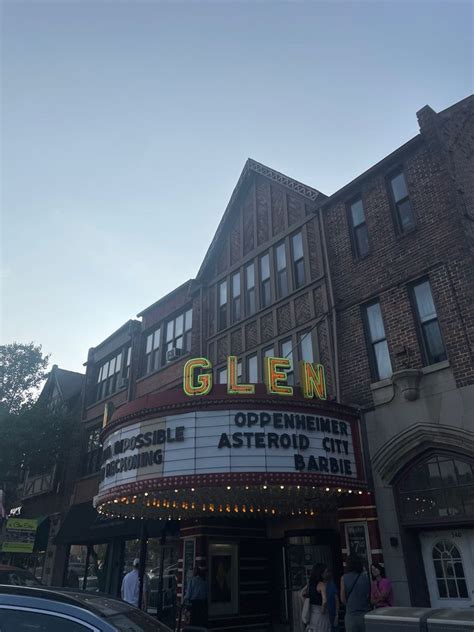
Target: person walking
{"x": 332, "y": 596}
{"x": 316, "y": 617}
{"x": 196, "y": 596}
{"x": 381, "y": 595}
{"x": 131, "y": 586}
{"x": 355, "y": 594}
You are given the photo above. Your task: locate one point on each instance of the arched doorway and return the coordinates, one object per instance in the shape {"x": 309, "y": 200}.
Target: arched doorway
{"x": 436, "y": 499}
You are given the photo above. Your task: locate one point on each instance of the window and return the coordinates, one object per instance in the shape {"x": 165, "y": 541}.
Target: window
{"x": 252, "y": 369}
{"x": 93, "y": 452}
{"x": 358, "y": 229}
{"x": 378, "y": 347}
{"x": 265, "y": 284}
{"x": 31, "y": 621}
{"x": 269, "y": 352}
{"x": 178, "y": 332}
{"x": 282, "y": 275}
{"x": 306, "y": 346}
{"x": 108, "y": 377}
{"x": 222, "y": 311}
{"x": 222, "y": 376}
{"x": 298, "y": 260}
{"x": 287, "y": 352}
{"x": 449, "y": 571}
{"x": 427, "y": 321}
{"x": 235, "y": 297}
{"x": 403, "y": 211}
{"x": 152, "y": 351}
{"x": 250, "y": 303}
{"x": 128, "y": 353}
{"x": 440, "y": 487}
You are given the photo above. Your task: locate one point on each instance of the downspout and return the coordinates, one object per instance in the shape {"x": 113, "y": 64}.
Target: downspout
{"x": 332, "y": 306}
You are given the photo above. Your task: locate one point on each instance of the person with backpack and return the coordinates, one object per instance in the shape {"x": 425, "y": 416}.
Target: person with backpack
{"x": 355, "y": 594}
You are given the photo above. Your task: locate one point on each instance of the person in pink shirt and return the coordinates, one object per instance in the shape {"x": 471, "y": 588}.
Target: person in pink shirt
{"x": 381, "y": 594}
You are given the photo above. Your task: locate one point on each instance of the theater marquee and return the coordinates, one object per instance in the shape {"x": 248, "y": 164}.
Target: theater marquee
{"x": 209, "y": 442}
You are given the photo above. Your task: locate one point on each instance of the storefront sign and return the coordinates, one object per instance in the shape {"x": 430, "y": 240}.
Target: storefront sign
{"x": 197, "y": 378}
{"x": 217, "y": 441}
{"x": 19, "y": 536}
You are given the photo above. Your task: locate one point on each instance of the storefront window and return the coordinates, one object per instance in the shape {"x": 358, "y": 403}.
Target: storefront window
{"x": 441, "y": 487}
{"x": 161, "y": 567}
{"x": 87, "y": 568}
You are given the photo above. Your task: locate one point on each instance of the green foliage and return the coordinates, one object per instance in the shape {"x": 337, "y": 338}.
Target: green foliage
{"x": 22, "y": 370}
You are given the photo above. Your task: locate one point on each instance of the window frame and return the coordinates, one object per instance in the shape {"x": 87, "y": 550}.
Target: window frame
{"x": 374, "y": 369}
{"x": 250, "y": 291}
{"x": 154, "y": 353}
{"x": 112, "y": 383}
{"x": 265, "y": 282}
{"x": 284, "y": 270}
{"x": 425, "y": 354}
{"x": 353, "y": 228}
{"x": 394, "y": 204}
{"x": 222, "y": 307}
{"x": 248, "y": 359}
{"x": 295, "y": 262}
{"x": 184, "y": 335}
{"x": 236, "y": 299}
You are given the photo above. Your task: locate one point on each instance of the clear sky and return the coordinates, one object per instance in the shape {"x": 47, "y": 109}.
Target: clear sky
{"x": 125, "y": 126}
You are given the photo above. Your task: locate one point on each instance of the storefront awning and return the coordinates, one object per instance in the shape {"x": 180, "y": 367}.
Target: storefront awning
{"x": 83, "y": 525}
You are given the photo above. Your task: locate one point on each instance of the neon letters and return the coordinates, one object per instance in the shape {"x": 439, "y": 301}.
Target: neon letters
{"x": 198, "y": 378}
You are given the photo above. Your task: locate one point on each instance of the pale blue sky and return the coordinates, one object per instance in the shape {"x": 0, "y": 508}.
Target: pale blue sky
{"x": 125, "y": 126}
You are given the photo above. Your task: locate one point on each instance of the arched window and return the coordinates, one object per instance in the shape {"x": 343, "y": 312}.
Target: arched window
{"x": 442, "y": 486}
{"x": 449, "y": 571}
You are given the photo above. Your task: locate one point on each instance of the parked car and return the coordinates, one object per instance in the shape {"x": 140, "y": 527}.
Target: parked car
{"x": 27, "y": 609}
{"x": 17, "y": 576}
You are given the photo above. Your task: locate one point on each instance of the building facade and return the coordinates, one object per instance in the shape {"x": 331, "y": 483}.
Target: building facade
{"x": 373, "y": 283}
{"x": 43, "y": 496}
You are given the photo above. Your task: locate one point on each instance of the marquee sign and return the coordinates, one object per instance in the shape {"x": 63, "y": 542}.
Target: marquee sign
{"x": 197, "y": 378}
{"x": 210, "y": 442}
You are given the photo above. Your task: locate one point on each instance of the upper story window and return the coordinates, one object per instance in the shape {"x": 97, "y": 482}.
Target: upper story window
{"x": 252, "y": 369}
{"x": 287, "y": 352}
{"x": 265, "y": 283}
{"x": 92, "y": 452}
{"x": 152, "y": 351}
{"x": 377, "y": 342}
{"x": 178, "y": 335}
{"x": 109, "y": 376}
{"x": 298, "y": 260}
{"x": 358, "y": 229}
{"x": 404, "y": 216}
{"x": 236, "y": 302}
{"x": 250, "y": 302}
{"x": 222, "y": 376}
{"x": 222, "y": 309}
{"x": 427, "y": 322}
{"x": 281, "y": 270}
{"x": 306, "y": 346}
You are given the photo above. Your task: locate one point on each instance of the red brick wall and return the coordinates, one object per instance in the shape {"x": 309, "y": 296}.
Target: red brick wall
{"x": 437, "y": 248}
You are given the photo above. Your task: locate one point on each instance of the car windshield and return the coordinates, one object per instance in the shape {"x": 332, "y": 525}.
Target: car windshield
{"x": 17, "y": 577}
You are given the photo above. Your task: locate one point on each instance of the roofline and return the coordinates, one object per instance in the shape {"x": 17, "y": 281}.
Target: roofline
{"x": 371, "y": 170}
{"x": 165, "y": 297}
{"x": 252, "y": 165}
{"x": 458, "y": 103}
{"x": 115, "y": 333}
{"x": 58, "y": 368}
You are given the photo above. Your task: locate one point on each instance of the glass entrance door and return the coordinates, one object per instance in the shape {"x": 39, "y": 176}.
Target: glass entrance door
{"x": 302, "y": 553}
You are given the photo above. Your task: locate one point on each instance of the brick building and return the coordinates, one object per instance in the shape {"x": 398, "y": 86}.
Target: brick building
{"x": 402, "y": 233}
{"x": 375, "y": 284}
